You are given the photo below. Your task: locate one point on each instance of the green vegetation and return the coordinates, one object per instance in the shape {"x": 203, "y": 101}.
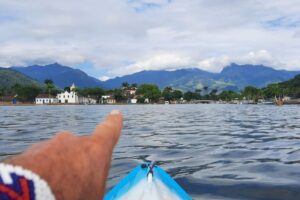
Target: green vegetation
{"x": 288, "y": 88}
{"x": 291, "y": 87}
{"x": 171, "y": 95}
{"x": 149, "y": 91}
{"x": 25, "y": 90}
{"x": 95, "y": 93}
{"x": 9, "y": 78}
{"x": 191, "y": 96}
{"x": 26, "y": 93}
{"x": 229, "y": 96}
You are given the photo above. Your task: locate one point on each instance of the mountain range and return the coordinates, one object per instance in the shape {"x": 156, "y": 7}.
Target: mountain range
{"x": 232, "y": 77}
{"x": 61, "y": 75}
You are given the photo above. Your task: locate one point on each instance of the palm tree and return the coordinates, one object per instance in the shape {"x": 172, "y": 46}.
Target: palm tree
{"x": 134, "y": 85}
{"x": 205, "y": 89}
{"x": 125, "y": 84}
{"x": 49, "y": 85}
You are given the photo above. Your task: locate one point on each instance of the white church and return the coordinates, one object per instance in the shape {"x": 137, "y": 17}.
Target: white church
{"x": 69, "y": 97}
{"x": 65, "y": 97}
{"x": 72, "y": 97}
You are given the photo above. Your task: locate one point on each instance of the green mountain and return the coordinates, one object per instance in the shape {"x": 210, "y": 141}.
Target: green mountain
{"x": 9, "y": 77}
{"x": 291, "y": 87}
{"x": 233, "y": 77}
{"x": 62, "y": 76}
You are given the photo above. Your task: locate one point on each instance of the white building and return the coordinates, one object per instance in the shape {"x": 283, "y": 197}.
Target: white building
{"x": 108, "y": 99}
{"x": 133, "y": 101}
{"x": 45, "y": 99}
{"x": 72, "y": 97}
{"x": 69, "y": 97}
{"x": 87, "y": 100}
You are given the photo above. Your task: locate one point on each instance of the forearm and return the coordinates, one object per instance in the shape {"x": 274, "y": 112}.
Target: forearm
{"x": 75, "y": 167}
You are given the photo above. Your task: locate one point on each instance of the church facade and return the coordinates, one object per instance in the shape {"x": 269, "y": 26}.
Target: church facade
{"x": 67, "y": 97}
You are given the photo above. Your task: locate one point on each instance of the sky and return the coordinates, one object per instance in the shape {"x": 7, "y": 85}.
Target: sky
{"x": 117, "y": 37}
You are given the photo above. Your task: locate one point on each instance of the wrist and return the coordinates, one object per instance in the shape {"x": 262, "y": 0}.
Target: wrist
{"x": 19, "y": 183}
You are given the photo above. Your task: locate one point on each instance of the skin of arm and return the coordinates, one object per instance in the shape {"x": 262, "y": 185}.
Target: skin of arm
{"x": 75, "y": 167}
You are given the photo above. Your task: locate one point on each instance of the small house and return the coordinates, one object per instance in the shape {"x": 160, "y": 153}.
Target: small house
{"x": 45, "y": 99}
{"x": 108, "y": 99}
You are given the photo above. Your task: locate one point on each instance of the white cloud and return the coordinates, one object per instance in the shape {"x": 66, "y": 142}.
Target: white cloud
{"x": 120, "y": 37}
{"x": 167, "y": 61}
{"x": 104, "y": 78}
{"x": 214, "y": 64}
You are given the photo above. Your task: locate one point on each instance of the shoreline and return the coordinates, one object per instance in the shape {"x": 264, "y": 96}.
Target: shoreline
{"x": 33, "y": 104}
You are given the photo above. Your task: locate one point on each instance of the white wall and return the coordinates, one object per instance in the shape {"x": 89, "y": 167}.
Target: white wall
{"x": 45, "y": 100}
{"x": 68, "y": 97}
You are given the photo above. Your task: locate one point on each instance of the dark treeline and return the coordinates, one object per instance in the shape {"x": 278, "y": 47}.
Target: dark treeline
{"x": 152, "y": 92}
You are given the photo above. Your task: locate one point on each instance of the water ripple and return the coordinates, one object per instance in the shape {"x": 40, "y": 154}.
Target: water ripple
{"x": 213, "y": 151}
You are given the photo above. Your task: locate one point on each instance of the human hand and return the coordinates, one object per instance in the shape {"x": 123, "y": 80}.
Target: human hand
{"x": 75, "y": 167}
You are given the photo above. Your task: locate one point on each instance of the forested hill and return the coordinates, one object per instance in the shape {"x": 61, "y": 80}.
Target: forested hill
{"x": 9, "y": 78}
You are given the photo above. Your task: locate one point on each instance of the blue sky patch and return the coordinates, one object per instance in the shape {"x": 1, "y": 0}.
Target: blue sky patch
{"x": 282, "y": 22}
{"x": 141, "y": 6}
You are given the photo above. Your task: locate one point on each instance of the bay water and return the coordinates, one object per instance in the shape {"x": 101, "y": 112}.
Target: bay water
{"x": 214, "y": 151}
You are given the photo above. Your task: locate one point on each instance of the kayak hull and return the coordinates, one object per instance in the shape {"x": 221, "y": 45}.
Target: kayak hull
{"x": 147, "y": 182}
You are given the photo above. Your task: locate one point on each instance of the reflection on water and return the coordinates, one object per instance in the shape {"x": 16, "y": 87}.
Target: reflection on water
{"x": 213, "y": 151}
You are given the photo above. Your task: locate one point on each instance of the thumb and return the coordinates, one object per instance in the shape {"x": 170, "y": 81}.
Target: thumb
{"x": 109, "y": 130}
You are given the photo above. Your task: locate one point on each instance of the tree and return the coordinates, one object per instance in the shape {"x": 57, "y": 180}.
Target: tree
{"x": 167, "y": 94}
{"x": 96, "y": 92}
{"x": 125, "y": 84}
{"x": 205, "y": 88}
{"x": 140, "y": 99}
{"x": 134, "y": 85}
{"x": 55, "y": 91}
{"x": 291, "y": 87}
{"x": 177, "y": 94}
{"x": 118, "y": 95}
{"x": 198, "y": 91}
{"x": 49, "y": 86}
{"x": 228, "y": 95}
{"x": 251, "y": 93}
{"x": 68, "y": 89}
{"x": 213, "y": 94}
{"x": 272, "y": 90}
{"x": 150, "y": 91}
{"x": 27, "y": 93}
{"x": 191, "y": 96}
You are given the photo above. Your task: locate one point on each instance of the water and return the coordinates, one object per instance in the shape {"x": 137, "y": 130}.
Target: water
{"x": 212, "y": 151}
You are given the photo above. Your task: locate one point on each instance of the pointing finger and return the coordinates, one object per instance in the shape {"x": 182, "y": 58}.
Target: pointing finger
{"x": 109, "y": 131}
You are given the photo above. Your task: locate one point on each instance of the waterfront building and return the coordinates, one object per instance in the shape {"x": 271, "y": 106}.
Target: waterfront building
{"x": 87, "y": 100}
{"x": 108, "y": 99}
{"x": 133, "y": 101}
{"x": 129, "y": 91}
{"x": 69, "y": 97}
{"x": 45, "y": 99}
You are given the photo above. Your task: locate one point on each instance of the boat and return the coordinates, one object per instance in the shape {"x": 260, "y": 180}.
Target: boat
{"x": 147, "y": 182}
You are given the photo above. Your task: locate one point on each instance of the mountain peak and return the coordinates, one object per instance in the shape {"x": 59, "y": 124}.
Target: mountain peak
{"x": 61, "y": 75}
{"x": 232, "y": 76}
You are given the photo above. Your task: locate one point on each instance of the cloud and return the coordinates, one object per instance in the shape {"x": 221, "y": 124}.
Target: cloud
{"x": 158, "y": 61}
{"x": 104, "y": 78}
{"x": 214, "y": 64}
{"x": 120, "y": 37}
